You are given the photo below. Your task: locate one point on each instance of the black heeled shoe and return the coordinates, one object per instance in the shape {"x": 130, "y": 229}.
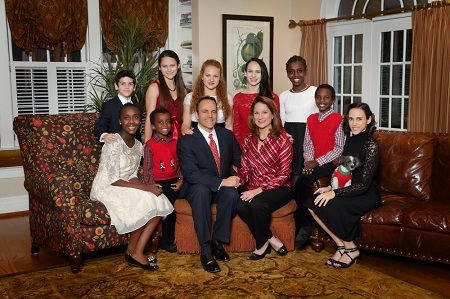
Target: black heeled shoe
{"x": 150, "y": 266}
{"x": 255, "y": 257}
{"x": 150, "y": 258}
{"x": 340, "y": 265}
{"x": 331, "y": 261}
{"x": 282, "y": 250}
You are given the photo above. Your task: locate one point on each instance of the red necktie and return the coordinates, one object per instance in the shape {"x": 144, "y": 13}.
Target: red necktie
{"x": 214, "y": 150}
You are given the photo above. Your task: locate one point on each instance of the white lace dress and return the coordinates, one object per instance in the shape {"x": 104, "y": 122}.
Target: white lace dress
{"x": 129, "y": 208}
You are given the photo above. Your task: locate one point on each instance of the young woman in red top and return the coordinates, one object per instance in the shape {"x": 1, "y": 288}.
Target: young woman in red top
{"x": 167, "y": 92}
{"x": 258, "y": 85}
{"x": 265, "y": 175}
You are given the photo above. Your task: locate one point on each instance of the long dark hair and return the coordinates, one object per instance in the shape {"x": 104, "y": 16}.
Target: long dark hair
{"x": 264, "y": 85}
{"x": 363, "y": 106}
{"x": 164, "y": 94}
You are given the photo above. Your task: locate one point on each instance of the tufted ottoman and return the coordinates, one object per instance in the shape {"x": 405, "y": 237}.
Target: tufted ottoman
{"x": 282, "y": 226}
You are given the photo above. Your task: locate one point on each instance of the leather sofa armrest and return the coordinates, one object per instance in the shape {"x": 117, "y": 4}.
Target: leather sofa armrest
{"x": 55, "y": 191}
{"x": 321, "y": 182}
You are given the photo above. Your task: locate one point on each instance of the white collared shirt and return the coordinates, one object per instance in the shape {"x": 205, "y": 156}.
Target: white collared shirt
{"x": 206, "y": 136}
{"x": 123, "y": 99}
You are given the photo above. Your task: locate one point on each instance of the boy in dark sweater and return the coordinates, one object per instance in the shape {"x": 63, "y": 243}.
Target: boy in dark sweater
{"x": 324, "y": 142}
{"x": 161, "y": 168}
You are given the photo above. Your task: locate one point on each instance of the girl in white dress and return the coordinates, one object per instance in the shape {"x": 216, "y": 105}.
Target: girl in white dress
{"x": 134, "y": 207}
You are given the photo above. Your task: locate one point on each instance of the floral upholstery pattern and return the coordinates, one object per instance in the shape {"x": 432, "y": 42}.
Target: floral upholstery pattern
{"x": 60, "y": 158}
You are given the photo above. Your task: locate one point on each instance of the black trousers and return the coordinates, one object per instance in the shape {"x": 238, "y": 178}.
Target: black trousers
{"x": 303, "y": 191}
{"x": 257, "y": 213}
{"x": 200, "y": 198}
{"x": 168, "y": 225}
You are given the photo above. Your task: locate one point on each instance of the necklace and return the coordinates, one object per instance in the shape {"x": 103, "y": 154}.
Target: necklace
{"x": 175, "y": 88}
{"x": 293, "y": 91}
{"x": 262, "y": 140}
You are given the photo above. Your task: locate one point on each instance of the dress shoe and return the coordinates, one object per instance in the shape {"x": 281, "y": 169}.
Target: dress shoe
{"x": 282, "y": 250}
{"x": 209, "y": 263}
{"x": 255, "y": 257}
{"x": 150, "y": 258}
{"x": 302, "y": 236}
{"x": 169, "y": 248}
{"x": 219, "y": 253}
{"x": 150, "y": 266}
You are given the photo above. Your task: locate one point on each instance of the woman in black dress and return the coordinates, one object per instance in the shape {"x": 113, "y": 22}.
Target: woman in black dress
{"x": 339, "y": 211}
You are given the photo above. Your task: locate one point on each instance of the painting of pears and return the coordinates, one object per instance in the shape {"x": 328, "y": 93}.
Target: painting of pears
{"x": 249, "y": 47}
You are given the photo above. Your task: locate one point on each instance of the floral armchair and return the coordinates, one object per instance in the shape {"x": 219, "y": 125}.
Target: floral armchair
{"x": 60, "y": 158}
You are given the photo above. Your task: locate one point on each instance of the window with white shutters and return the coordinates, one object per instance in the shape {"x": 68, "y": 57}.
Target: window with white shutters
{"x": 71, "y": 89}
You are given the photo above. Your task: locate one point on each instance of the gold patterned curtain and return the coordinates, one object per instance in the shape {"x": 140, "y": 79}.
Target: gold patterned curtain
{"x": 47, "y": 22}
{"x": 157, "y": 12}
{"x": 314, "y": 49}
{"x": 429, "y": 104}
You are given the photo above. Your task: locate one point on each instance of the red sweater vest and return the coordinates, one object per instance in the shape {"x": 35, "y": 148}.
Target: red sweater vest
{"x": 322, "y": 133}
{"x": 164, "y": 157}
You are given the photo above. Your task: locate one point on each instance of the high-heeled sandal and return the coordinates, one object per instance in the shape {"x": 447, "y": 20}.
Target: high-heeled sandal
{"x": 331, "y": 261}
{"x": 339, "y": 264}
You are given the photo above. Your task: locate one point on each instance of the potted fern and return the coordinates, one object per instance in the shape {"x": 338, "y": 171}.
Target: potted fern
{"x": 130, "y": 54}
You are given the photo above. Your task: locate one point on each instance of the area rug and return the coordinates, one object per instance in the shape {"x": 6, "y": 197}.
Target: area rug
{"x": 300, "y": 274}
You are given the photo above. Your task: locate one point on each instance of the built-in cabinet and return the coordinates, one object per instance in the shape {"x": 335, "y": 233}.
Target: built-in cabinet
{"x": 180, "y": 35}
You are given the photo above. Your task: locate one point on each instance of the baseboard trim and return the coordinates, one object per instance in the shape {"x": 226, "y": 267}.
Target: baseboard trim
{"x": 13, "y": 204}
{"x": 11, "y": 172}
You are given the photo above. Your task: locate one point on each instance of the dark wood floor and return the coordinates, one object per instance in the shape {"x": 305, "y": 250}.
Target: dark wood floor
{"x": 15, "y": 257}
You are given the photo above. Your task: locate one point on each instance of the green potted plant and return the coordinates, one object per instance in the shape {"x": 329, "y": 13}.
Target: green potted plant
{"x": 130, "y": 53}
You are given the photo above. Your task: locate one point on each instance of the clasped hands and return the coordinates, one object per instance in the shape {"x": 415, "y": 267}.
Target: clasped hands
{"x": 234, "y": 181}
{"x": 325, "y": 194}
{"x": 158, "y": 190}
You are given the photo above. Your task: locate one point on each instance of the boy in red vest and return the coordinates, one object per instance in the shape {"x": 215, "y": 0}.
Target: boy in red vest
{"x": 161, "y": 168}
{"x": 324, "y": 142}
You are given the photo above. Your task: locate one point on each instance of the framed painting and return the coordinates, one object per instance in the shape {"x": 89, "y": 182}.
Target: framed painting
{"x": 243, "y": 38}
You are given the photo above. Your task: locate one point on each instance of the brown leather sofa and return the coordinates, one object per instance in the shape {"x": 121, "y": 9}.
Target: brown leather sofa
{"x": 414, "y": 218}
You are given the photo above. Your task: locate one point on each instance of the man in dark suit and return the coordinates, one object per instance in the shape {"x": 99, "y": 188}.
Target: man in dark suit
{"x": 108, "y": 123}
{"x": 205, "y": 159}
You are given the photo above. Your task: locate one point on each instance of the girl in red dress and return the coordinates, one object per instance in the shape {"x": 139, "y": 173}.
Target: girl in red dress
{"x": 258, "y": 85}
{"x": 167, "y": 92}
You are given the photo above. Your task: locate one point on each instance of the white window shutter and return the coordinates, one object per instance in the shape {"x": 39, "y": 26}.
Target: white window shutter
{"x": 31, "y": 90}
{"x": 71, "y": 89}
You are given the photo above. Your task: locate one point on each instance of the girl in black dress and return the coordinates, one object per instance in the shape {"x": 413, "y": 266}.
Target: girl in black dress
{"x": 339, "y": 211}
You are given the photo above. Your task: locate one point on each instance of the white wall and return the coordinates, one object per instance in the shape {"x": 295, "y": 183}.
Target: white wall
{"x": 6, "y": 140}
{"x": 207, "y": 30}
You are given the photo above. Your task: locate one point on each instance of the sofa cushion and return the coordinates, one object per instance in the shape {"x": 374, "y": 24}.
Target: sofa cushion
{"x": 406, "y": 162}
{"x": 182, "y": 207}
{"x": 429, "y": 216}
{"x": 392, "y": 211}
